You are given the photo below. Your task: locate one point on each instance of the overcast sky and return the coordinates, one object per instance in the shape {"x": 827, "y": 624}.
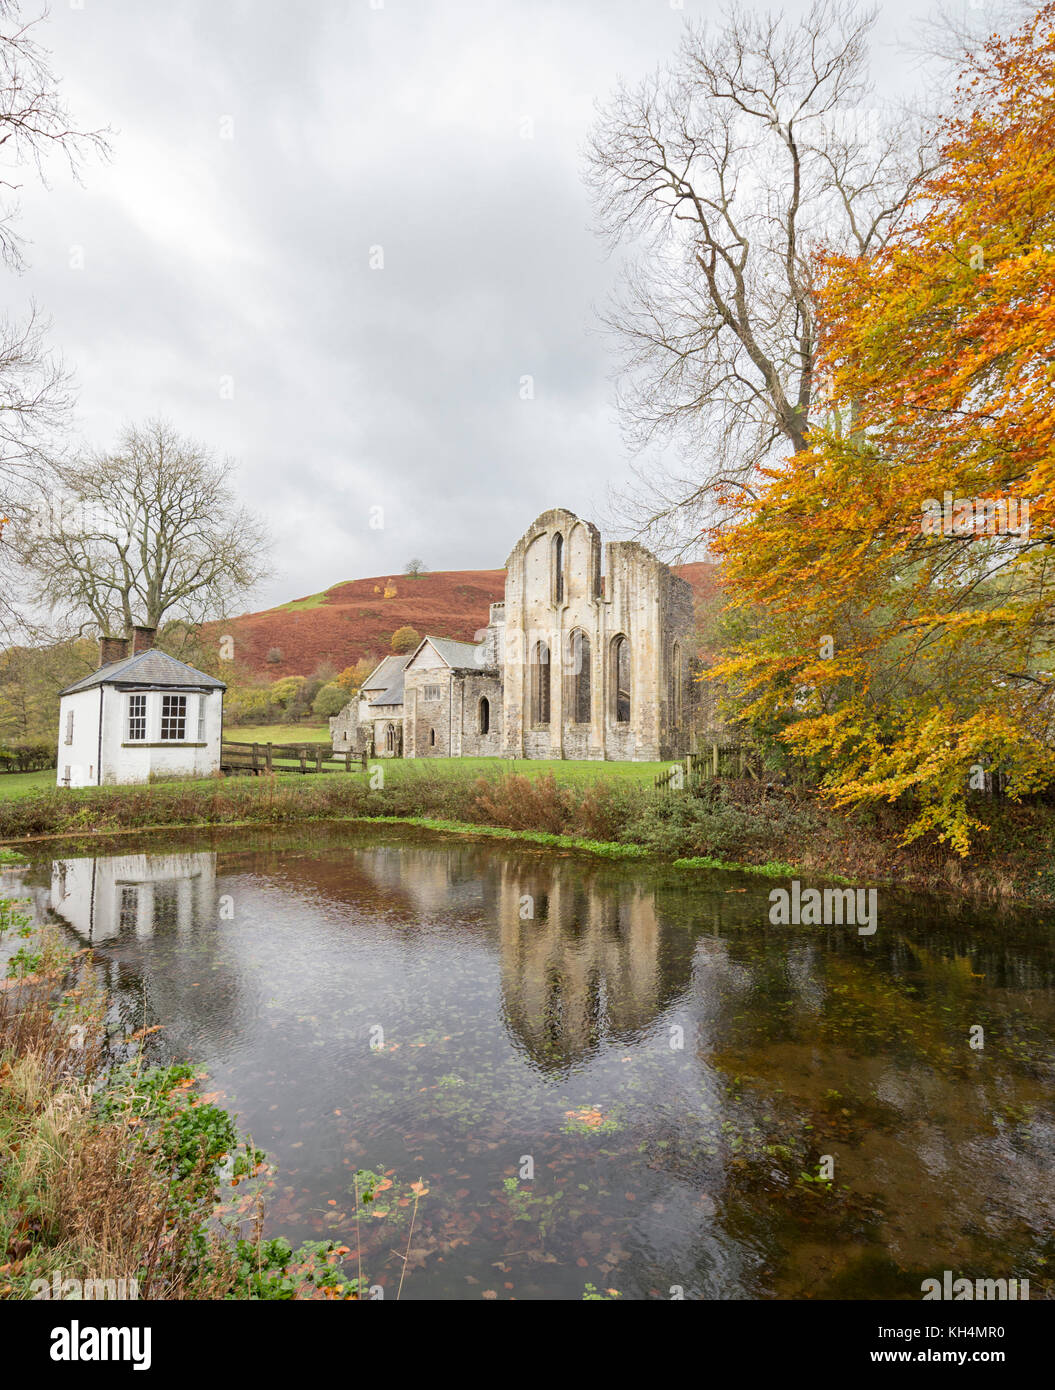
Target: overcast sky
{"x": 260, "y": 151}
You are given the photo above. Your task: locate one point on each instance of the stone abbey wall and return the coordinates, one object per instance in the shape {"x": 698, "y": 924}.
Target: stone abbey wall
{"x": 555, "y": 591}
{"x": 576, "y": 663}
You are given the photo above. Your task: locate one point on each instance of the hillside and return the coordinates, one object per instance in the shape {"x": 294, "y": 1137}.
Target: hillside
{"x": 357, "y": 618}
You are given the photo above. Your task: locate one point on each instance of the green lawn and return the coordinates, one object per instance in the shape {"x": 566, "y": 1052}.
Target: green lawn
{"x": 276, "y": 733}
{"x": 14, "y": 784}
{"x": 565, "y": 770}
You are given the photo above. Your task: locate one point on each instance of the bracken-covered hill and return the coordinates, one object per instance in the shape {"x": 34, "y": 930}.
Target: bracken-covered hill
{"x": 358, "y": 617}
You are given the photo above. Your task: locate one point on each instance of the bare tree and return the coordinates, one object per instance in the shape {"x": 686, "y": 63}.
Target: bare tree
{"x": 35, "y": 127}
{"x": 729, "y": 168}
{"x": 149, "y": 532}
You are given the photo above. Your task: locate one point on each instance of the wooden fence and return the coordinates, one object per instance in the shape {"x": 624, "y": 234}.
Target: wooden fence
{"x": 738, "y": 760}
{"x": 258, "y": 758}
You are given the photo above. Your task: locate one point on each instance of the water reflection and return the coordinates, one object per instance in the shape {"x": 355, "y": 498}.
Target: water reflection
{"x": 133, "y": 893}
{"x": 517, "y": 990}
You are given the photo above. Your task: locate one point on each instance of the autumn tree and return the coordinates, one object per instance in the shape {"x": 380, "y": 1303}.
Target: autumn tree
{"x": 149, "y": 532}
{"x": 330, "y": 700}
{"x": 903, "y": 562}
{"x": 729, "y": 166}
{"x": 404, "y": 640}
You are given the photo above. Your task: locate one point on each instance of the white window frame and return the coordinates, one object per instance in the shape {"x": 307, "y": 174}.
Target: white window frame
{"x": 179, "y": 718}
{"x": 141, "y": 714}
{"x": 69, "y": 726}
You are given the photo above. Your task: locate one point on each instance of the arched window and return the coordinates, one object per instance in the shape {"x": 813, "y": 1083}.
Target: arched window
{"x": 432, "y": 738}
{"x": 540, "y": 684}
{"x": 484, "y": 724}
{"x": 558, "y": 568}
{"x": 390, "y": 738}
{"x": 677, "y": 682}
{"x": 578, "y": 686}
{"x": 621, "y": 680}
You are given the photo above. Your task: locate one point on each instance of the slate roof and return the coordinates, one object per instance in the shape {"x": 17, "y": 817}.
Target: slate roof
{"x": 459, "y": 656}
{"x": 385, "y": 673}
{"x": 393, "y": 695}
{"x": 151, "y": 668}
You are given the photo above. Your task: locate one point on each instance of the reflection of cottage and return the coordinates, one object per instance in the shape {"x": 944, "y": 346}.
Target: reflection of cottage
{"x": 574, "y": 664}
{"x": 139, "y": 716}
{"x": 137, "y": 894}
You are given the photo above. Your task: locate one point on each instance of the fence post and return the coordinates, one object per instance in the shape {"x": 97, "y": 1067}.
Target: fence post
{"x": 303, "y": 758}
{"x": 318, "y": 758}
{"x": 714, "y": 751}
{"x": 255, "y": 768}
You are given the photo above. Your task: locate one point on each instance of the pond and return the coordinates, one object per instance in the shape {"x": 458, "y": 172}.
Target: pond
{"x": 604, "y": 1074}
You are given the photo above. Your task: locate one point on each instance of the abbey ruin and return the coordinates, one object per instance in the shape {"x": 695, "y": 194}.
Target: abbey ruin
{"x": 581, "y": 660}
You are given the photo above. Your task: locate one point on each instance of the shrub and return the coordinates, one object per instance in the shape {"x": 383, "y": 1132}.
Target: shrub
{"x": 404, "y": 639}
{"x": 525, "y": 803}
{"x": 330, "y": 700}
{"x": 27, "y": 757}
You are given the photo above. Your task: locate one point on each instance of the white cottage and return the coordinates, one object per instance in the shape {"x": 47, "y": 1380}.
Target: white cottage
{"x": 138, "y": 716}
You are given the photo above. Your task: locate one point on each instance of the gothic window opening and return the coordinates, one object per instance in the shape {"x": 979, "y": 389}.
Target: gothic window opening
{"x": 484, "y": 724}
{"x": 432, "y": 738}
{"x": 621, "y": 680}
{"x": 540, "y": 684}
{"x": 579, "y": 688}
{"x": 558, "y": 568}
{"x": 390, "y": 738}
{"x": 677, "y": 681}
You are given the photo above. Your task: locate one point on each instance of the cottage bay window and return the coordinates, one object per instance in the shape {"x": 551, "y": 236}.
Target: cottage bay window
{"x": 173, "y": 718}
{"x": 137, "y": 718}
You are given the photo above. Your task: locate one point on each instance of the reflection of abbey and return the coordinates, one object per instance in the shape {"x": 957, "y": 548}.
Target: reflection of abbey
{"x": 578, "y": 662}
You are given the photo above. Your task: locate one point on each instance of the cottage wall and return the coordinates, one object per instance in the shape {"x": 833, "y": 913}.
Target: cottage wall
{"x": 123, "y": 761}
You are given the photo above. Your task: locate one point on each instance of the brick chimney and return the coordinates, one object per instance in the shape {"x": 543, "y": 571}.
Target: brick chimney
{"x": 143, "y": 639}
{"x": 112, "y": 649}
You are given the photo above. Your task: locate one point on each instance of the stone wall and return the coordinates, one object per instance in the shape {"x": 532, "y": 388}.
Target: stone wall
{"x": 470, "y": 690}
{"x": 344, "y": 727}
{"x": 554, "y": 588}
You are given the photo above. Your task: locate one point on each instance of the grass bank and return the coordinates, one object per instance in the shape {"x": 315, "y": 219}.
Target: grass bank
{"x": 734, "y": 825}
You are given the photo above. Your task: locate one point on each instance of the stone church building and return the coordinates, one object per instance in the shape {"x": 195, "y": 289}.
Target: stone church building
{"x": 589, "y": 656}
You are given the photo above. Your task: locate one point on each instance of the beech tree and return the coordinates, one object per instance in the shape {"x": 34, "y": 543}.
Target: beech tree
{"x": 150, "y": 531}
{"x": 904, "y": 564}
